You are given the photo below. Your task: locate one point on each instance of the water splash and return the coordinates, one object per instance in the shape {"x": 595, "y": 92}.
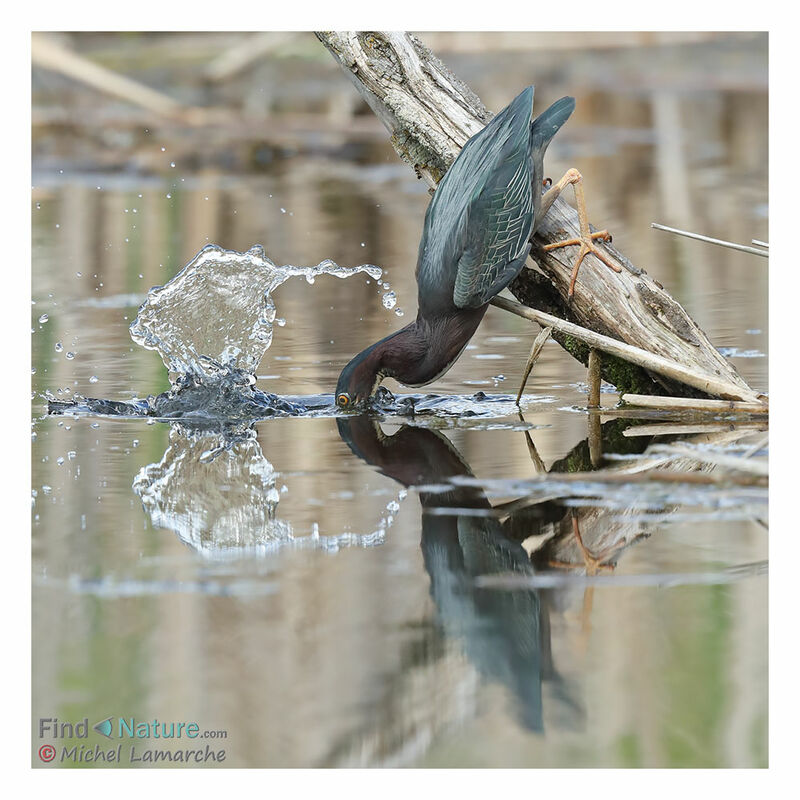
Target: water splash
{"x": 214, "y": 319}
{"x": 212, "y": 323}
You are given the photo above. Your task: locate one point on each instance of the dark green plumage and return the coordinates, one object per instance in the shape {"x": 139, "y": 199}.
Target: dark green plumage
{"x": 474, "y": 243}
{"x": 479, "y": 223}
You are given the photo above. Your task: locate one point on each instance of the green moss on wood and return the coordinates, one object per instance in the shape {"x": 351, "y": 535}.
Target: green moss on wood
{"x": 533, "y": 289}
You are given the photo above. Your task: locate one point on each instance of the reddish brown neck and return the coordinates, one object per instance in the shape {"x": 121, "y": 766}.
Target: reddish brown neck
{"x": 423, "y": 351}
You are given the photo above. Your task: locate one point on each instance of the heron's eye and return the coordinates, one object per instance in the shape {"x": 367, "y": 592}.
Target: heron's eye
{"x": 343, "y": 400}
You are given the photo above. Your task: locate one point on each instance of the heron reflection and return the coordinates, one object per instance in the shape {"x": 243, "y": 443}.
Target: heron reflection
{"x": 505, "y": 634}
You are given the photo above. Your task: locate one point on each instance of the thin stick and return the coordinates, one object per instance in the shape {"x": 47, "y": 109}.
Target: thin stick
{"x": 762, "y": 442}
{"x": 651, "y": 476}
{"x": 49, "y": 55}
{"x": 515, "y": 581}
{"x": 538, "y": 464}
{"x": 245, "y": 52}
{"x": 749, "y": 465}
{"x": 679, "y": 428}
{"x": 694, "y": 404}
{"x": 594, "y": 378}
{"x": 595, "y": 440}
{"x": 699, "y": 236}
{"x": 663, "y": 366}
{"x": 759, "y": 243}
{"x": 536, "y": 350}
{"x": 645, "y": 475}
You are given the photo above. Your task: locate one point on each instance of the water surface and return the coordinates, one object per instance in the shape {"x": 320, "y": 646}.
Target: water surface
{"x": 311, "y": 586}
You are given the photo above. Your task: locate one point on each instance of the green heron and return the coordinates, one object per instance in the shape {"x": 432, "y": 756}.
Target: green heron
{"x": 475, "y": 241}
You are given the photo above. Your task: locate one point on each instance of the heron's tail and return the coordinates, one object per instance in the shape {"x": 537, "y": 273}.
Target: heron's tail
{"x": 546, "y": 125}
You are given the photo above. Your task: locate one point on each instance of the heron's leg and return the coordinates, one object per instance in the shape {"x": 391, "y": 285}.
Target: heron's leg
{"x": 587, "y": 237}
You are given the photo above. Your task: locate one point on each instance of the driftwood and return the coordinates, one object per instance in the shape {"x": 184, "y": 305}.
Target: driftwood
{"x": 430, "y": 115}
{"x": 682, "y": 403}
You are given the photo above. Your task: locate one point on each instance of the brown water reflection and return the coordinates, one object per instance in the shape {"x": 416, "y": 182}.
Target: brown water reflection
{"x": 310, "y": 657}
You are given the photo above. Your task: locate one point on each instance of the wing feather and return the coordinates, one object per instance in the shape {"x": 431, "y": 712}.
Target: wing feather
{"x": 496, "y": 230}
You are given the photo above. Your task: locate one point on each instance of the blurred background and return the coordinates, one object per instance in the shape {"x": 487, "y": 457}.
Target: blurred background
{"x": 146, "y": 147}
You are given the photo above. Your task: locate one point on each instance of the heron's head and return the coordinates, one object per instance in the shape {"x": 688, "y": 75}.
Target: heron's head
{"x": 358, "y": 380}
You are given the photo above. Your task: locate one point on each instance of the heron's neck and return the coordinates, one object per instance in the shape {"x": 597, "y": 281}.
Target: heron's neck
{"x": 424, "y": 350}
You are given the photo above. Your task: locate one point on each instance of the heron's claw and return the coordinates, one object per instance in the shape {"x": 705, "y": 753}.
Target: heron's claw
{"x": 587, "y": 246}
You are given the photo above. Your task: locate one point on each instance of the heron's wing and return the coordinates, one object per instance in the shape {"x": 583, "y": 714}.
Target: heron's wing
{"x": 495, "y": 232}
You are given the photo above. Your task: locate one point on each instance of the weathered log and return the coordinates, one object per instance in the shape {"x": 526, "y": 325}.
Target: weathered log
{"x": 430, "y": 114}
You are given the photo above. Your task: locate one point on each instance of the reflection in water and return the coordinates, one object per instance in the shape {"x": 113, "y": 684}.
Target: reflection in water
{"x": 504, "y": 634}
{"x": 219, "y": 494}
{"x": 503, "y": 624}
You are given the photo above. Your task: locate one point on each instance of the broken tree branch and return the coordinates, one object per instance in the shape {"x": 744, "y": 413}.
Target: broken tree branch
{"x": 430, "y": 114}
{"x": 635, "y": 355}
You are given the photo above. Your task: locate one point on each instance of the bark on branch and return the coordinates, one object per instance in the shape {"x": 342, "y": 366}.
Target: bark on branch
{"x": 430, "y": 114}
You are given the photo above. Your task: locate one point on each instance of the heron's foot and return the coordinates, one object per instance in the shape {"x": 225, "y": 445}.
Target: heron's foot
{"x": 594, "y": 565}
{"x": 587, "y": 246}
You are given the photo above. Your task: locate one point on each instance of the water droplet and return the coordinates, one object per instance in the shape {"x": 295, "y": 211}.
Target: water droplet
{"x": 71, "y": 455}
{"x": 43, "y": 319}
{"x": 95, "y": 424}
{"x": 59, "y": 347}
{"x": 172, "y": 164}
{"x": 33, "y": 370}
{"x": 70, "y": 355}
{"x": 93, "y": 379}
{"x": 389, "y": 300}
{"x": 399, "y": 312}
{"x": 135, "y": 442}
{"x": 60, "y": 460}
